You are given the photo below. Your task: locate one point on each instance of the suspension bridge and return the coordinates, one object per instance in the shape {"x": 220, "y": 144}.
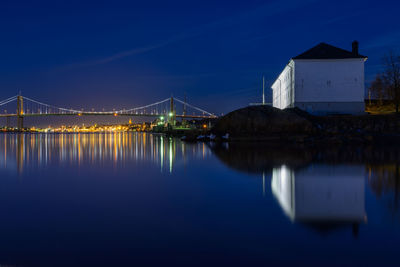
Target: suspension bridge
{"x": 171, "y": 108}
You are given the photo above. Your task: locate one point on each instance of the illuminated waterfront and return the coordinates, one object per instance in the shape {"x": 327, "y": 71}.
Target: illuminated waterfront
{"x": 145, "y": 199}
{"x": 140, "y": 127}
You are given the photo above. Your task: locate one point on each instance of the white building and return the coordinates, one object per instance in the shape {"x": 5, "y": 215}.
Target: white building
{"x": 322, "y": 80}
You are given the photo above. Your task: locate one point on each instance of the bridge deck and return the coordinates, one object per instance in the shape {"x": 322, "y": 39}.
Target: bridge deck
{"x": 107, "y": 114}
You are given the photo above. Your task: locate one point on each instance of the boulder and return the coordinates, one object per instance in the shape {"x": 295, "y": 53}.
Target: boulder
{"x": 263, "y": 122}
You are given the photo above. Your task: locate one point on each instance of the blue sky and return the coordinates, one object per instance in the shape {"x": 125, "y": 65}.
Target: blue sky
{"x": 121, "y": 54}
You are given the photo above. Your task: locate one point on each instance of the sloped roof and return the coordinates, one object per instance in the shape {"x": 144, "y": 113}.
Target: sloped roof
{"x": 326, "y": 51}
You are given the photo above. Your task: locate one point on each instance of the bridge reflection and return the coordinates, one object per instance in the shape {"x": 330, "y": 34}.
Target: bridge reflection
{"x": 21, "y": 151}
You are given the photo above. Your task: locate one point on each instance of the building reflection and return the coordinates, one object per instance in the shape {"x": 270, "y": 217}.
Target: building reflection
{"x": 21, "y": 151}
{"x": 323, "y": 197}
{"x": 319, "y": 187}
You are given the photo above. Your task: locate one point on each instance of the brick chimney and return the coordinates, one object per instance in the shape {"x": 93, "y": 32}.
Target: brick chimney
{"x": 355, "y": 48}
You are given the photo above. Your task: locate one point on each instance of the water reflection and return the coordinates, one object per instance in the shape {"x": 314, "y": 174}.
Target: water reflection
{"x": 110, "y": 199}
{"x": 323, "y": 186}
{"x": 21, "y": 151}
{"x": 321, "y": 196}
{"x": 384, "y": 180}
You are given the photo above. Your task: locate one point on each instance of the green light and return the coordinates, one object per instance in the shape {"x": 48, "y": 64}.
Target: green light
{"x": 171, "y": 114}
{"x": 162, "y": 118}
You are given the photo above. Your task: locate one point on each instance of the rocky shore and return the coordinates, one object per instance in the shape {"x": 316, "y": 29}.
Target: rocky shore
{"x": 255, "y": 157}
{"x": 265, "y": 123}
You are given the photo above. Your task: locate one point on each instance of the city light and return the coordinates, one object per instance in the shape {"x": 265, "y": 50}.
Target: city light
{"x": 134, "y": 127}
{"x": 33, "y": 107}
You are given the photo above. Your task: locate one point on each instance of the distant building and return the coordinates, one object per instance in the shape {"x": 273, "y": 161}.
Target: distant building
{"x": 322, "y": 80}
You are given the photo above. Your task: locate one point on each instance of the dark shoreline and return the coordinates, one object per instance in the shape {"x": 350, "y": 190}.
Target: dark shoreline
{"x": 266, "y": 124}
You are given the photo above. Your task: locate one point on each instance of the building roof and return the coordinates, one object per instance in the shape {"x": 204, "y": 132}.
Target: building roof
{"x": 326, "y": 51}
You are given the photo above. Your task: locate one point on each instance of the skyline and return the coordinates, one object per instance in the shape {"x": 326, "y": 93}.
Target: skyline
{"x": 128, "y": 54}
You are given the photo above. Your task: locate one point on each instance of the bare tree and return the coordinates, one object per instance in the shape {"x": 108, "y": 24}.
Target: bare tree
{"x": 387, "y": 84}
{"x": 378, "y": 89}
{"x": 391, "y": 78}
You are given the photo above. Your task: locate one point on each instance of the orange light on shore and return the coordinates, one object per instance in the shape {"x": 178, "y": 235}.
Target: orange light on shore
{"x": 115, "y": 114}
{"x": 79, "y": 114}
{"x": 205, "y": 126}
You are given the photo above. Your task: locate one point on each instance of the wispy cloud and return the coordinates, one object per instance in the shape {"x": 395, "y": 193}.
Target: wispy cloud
{"x": 386, "y": 40}
{"x": 131, "y": 52}
{"x": 128, "y": 53}
{"x": 353, "y": 14}
{"x": 264, "y": 11}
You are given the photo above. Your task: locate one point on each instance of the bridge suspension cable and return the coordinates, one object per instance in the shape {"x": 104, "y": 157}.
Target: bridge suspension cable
{"x": 34, "y": 107}
{"x": 193, "y": 107}
{"x": 8, "y": 100}
{"x": 75, "y": 111}
{"x": 51, "y": 106}
{"x": 143, "y": 107}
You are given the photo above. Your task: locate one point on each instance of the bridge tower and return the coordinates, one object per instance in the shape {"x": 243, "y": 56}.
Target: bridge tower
{"x": 20, "y": 112}
{"x": 172, "y": 113}
{"x": 184, "y": 113}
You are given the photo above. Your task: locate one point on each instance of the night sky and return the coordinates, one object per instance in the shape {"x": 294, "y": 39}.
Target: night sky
{"x": 116, "y": 54}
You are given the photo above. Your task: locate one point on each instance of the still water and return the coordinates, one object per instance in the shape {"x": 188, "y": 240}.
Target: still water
{"x": 124, "y": 199}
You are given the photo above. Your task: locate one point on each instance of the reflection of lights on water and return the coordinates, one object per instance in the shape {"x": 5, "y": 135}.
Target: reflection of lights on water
{"x": 162, "y": 152}
{"x": 170, "y": 155}
{"x": 94, "y": 148}
{"x": 263, "y": 183}
{"x": 5, "y": 151}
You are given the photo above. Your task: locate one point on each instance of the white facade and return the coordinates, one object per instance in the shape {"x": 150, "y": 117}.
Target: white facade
{"x": 283, "y": 88}
{"x": 321, "y": 86}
